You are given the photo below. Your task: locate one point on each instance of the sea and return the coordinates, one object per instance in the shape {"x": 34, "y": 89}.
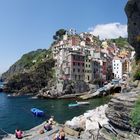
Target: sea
{"x": 15, "y": 111}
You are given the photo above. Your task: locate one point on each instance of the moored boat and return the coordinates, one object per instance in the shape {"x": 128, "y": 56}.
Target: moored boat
{"x": 73, "y": 105}
{"x": 82, "y": 103}
{"x": 37, "y": 112}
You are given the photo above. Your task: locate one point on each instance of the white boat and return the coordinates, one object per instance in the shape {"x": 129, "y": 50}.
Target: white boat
{"x": 82, "y": 103}
{"x": 34, "y": 97}
{"x": 73, "y": 105}
{"x": 9, "y": 95}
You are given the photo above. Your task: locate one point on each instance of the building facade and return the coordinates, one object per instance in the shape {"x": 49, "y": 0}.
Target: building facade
{"x": 117, "y": 68}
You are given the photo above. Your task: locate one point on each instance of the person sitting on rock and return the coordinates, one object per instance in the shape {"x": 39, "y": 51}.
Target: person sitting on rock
{"x": 19, "y": 134}
{"x": 60, "y": 135}
{"x": 48, "y": 126}
{"x": 51, "y": 120}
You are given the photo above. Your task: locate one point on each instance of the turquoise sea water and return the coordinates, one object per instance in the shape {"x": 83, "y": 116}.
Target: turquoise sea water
{"x": 15, "y": 111}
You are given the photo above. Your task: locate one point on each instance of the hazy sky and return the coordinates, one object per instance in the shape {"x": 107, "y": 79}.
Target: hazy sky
{"x": 27, "y": 25}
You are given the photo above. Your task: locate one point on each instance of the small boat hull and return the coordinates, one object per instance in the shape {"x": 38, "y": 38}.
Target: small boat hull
{"x": 73, "y": 105}
{"x": 83, "y": 103}
{"x": 37, "y": 112}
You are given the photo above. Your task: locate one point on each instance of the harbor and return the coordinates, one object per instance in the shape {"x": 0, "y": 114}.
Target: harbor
{"x": 15, "y": 111}
{"x": 92, "y": 124}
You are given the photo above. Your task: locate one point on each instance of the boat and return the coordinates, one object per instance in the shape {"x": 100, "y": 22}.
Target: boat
{"x": 73, "y": 105}
{"x": 37, "y": 112}
{"x": 9, "y": 95}
{"x": 82, "y": 103}
{"x": 34, "y": 97}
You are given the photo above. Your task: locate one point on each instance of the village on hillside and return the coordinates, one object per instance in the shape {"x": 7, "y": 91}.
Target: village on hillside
{"x": 84, "y": 57}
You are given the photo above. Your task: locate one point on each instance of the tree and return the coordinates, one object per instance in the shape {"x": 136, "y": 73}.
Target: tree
{"x": 59, "y": 34}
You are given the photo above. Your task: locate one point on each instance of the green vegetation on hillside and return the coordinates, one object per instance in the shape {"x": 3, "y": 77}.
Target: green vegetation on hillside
{"x": 137, "y": 75}
{"x": 122, "y": 43}
{"x": 135, "y": 115}
{"x": 33, "y": 58}
{"x": 32, "y": 81}
{"x": 31, "y": 73}
{"x": 136, "y": 70}
{"x": 28, "y": 62}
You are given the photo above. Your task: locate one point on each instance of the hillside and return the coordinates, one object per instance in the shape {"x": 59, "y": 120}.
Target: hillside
{"x": 31, "y": 73}
{"x": 122, "y": 43}
{"x": 27, "y": 63}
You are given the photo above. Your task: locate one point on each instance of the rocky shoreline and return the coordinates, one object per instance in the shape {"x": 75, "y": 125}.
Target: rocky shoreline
{"x": 106, "y": 122}
{"x": 109, "y": 121}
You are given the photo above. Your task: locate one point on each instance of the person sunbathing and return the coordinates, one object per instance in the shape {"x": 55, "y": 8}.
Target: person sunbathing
{"x": 18, "y": 134}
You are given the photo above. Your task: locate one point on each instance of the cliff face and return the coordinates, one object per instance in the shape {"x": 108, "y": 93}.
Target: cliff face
{"x": 31, "y": 73}
{"x": 132, "y": 10}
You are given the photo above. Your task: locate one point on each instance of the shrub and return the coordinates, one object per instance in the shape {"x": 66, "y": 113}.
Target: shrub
{"x": 137, "y": 75}
{"x": 135, "y": 114}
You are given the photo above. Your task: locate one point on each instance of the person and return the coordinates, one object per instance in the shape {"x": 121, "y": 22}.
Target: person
{"x": 51, "y": 120}
{"x": 49, "y": 124}
{"x": 19, "y": 134}
{"x": 60, "y": 135}
{"x": 48, "y": 127}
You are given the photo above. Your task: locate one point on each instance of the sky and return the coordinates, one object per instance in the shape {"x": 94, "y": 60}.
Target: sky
{"x": 27, "y": 25}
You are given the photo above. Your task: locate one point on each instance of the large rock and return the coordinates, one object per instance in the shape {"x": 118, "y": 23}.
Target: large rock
{"x": 132, "y": 10}
{"x": 89, "y": 120}
{"x": 119, "y": 108}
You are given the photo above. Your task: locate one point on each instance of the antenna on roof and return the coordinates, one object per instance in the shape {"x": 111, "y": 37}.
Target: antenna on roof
{"x": 72, "y": 31}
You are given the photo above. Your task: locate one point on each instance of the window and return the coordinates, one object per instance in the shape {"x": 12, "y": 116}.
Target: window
{"x": 73, "y": 70}
{"x": 73, "y": 63}
{"x": 79, "y": 77}
{"x": 75, "y": 77}
{"x": 86, "y": 65}
{"x": 78, "y": 70}
{"x": 88, "y": 77}
{"x": 78, "y": 64}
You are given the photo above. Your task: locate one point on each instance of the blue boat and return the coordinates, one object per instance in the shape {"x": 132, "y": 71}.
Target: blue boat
{"x": 73, "y": 105}
{"x": 37, "y": 112}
